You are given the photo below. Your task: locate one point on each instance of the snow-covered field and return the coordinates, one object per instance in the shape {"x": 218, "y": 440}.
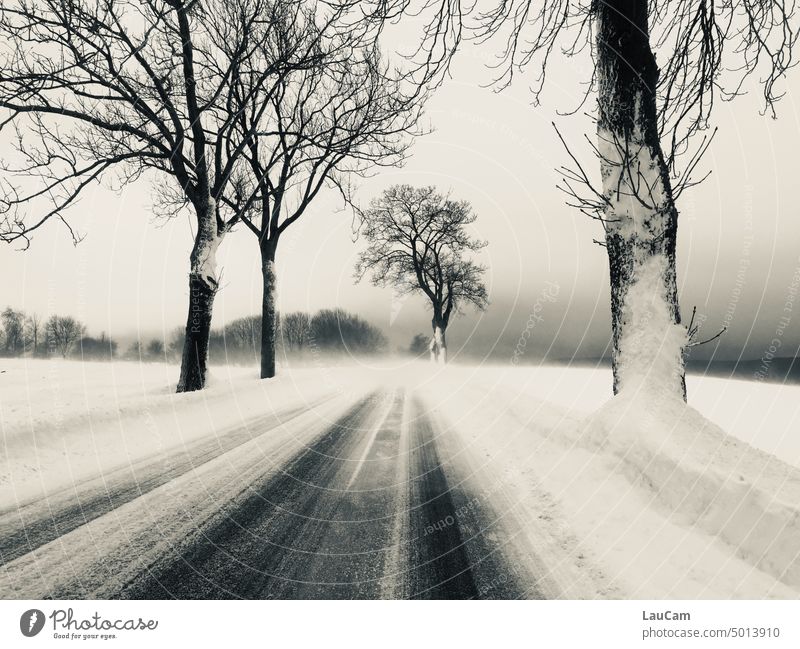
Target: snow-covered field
{"x": 65, "y": 420}
{"x": 635, "y": 497}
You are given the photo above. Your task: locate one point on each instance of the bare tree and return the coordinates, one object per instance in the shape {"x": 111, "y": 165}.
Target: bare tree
{"x": 112, "y": 90}
{"x": 417, "y": 241}
{"x": 320, "y": 125}
{"x": 240, "y": 339}
{"x": 646, "y": 117}
{"x": 33, "y": 328}
{"x": 62, "y": 332}
{"x": 14, "y": 330}
{"x": 296, "y": 329}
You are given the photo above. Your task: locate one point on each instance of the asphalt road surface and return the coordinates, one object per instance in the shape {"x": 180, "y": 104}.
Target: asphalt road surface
{"x": 366, "y": 510}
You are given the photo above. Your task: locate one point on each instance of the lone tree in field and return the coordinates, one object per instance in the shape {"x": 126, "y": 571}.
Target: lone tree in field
{"x": 62, "y": 332}
{"x": 646, "y": 118}
{"x": 417, "y": 242}
{"x": 344, "y": 113}
{"x": 116, "y": 89}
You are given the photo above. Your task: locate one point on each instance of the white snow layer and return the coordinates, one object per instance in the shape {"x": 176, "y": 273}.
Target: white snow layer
{"x": 642, "y": 498}
{"x": 632, "y": 183}
{"x": 636, "y": 496}
{"x": 651, "y": 344}
{"x": 62, "y": 421}
{"x": 206, "y": 264}
{"x": 704, "y": 478}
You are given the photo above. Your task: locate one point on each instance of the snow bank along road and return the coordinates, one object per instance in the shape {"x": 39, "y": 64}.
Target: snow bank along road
{"x": 348, "y": 497}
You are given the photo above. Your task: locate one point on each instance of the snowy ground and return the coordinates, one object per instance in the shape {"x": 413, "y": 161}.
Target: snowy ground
{"x": 598, "y": 498}
{"x": 65, "y": 420}
{"x": 659, "y": 500}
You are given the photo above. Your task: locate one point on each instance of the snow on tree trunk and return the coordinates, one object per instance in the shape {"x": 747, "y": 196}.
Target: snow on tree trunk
{"x": 438, "y": 345}
{"x": 268, "y": 315}
{"x": 651, "y": 344}
{"x": 441, "y": 344}
{"x": 202, "y": 289}
{"x": 640, "y": 215}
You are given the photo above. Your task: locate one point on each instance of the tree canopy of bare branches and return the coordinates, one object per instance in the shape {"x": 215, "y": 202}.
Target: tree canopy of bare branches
{"x": 111, "y": 90}
{"x": 33, "y": 335}
{"x": 245, "y": 109}
{"x": 62, "y": 332}
{"x": 323, "y": 124}
{"x": 13, "y": 322}
{"x": 417, "y": 241}
{"x": 296, "y": 329}
{"x": 707, "y": 49}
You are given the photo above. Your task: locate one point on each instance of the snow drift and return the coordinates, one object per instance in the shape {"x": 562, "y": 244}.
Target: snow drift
{"x": 705, "y": 477}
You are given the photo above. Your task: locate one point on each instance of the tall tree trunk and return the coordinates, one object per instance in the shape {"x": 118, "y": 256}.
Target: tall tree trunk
{"x": 641, "y": 217}
{"x": 268, "y": 311}
{"x": 202, "y": 289}
{"x": 438, "y": 346}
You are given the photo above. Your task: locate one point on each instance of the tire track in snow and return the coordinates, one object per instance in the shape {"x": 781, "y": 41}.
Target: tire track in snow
{"x": 36, "y": 523}
{"x": 372, "y": 506}
{"x": 438, "y": 563}
{"x": 337, "y": 522}
{"x": 258, "y": 549}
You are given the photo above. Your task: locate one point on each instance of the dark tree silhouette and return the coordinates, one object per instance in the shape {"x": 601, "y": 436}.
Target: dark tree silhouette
{"x": 336, "y": 330}
{"x": 417, "y": 241}
{"x": 419, "y": 345}
{"x": 62, "y": 333}
{"x": 13, "y": 330}
{"x": 155, "y": 349}
{"x": 320, "y": 125}
{"x": 296, "y": 329}
{"x": 111, "y": 90}
{"x": 646, "y": 116}
{"x": 102, "y": 348}
{"x": 33, "y": 332}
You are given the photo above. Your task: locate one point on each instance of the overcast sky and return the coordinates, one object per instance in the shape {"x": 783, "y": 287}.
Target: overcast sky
{"x": 738, "y": 248}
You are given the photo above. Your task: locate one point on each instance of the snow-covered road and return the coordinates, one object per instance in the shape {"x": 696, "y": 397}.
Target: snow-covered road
{"x": 356, "y": 503}
{"x": 396, "y": 480}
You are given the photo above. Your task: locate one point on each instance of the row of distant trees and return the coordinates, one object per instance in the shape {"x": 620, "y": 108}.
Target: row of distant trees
{"x": 327, "y": 331}
{"x": 23, "y": 333}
